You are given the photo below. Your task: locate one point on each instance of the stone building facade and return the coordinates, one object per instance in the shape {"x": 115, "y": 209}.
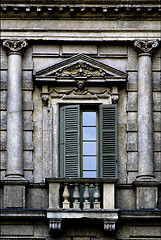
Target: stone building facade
{"x": 61, "y": 60}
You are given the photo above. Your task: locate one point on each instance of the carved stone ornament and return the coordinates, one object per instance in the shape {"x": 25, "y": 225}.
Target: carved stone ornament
{"x": 54, "y": 225}
{"x": 79, "y": 90}
{"x": 15, "y": 46}
{"x": 109, "y": 226}
{"x": 80, "y": 70}
{"x": 45, "y": 99}
{"x": 146, "y": 46}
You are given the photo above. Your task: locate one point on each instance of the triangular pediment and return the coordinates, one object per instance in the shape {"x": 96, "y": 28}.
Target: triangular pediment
{"x": 80, "y": 67}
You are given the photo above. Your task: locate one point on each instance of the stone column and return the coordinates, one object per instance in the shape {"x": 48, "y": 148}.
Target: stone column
{"x": 145, "y": 49}
{"x": 14, "y": 108}
{"x": 14, "y": 183}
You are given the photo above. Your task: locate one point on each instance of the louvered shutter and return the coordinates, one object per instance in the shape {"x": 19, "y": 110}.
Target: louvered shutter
{"x": 108, "y": 140}
{"x": 69, "y": 140}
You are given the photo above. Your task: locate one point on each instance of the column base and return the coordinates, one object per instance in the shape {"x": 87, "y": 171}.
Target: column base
{"x": 146, "y": 192}
{"x": 14, "y": 193}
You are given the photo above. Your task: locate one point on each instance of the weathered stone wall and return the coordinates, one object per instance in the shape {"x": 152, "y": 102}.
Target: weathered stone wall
{"x": 52, "y": 39}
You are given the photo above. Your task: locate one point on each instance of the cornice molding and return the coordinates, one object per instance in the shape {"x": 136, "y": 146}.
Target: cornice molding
{"x": 88, "y": 9}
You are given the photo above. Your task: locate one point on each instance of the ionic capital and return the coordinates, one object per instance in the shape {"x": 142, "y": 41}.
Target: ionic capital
{"x": 15, "y": 46}
{"x": 146, "y": 46}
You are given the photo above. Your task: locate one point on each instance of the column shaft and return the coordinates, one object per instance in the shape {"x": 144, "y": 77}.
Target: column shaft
{"x": 145, "y": 122}
{"x": 14, "y": 116}
{"x": 14, "y": 108}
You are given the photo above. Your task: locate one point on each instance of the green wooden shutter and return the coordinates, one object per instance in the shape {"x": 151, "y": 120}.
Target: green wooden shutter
{"x": 108, "y": 140}
{"x": 69, "y": 140}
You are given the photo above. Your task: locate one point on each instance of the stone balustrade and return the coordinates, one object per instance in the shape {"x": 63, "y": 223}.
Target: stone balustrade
{"x": 81, "y": 193}
{"x": 90, "y": 193}
{"x": 79, "y": 198}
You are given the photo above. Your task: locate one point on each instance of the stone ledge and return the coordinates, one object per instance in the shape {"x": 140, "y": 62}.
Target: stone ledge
{"x": 22, "y": 213}
{"x": 139, "y": 214}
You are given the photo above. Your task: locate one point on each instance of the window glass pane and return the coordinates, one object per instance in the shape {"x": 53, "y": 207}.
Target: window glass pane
{"x": 89, "y": 163}
{"x": 89, "y": 133}
{"x": 89, "y": 148}
{"x": 89, "y": 174}
{"x": 89, "y": 118}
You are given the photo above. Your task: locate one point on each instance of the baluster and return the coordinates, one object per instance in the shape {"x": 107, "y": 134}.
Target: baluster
{"x": 86, "y": 196}
{"x": 66, "y": 203}
{"x": 96, "y": 196}
{"x": 76, "y": 196}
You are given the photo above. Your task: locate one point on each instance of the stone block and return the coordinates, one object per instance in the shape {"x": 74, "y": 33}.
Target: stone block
{"x": 27, "y": 59}
{"x": 156, "y": 106}
{"x": 132, "y": 84}
{"x": 132, "y": 127}
{"x": 16, "y": 230}
{"x": 4, "y": 77}
{"x": 108, "y": 196}
{"x": 37, "y": 197}
{"x": 74, "y": 49}
{"x": 14, "y": 196}
{"x": 145, "y": 231}
{"x": 131, "y": 107}
{"x": 132, "y": 59}
{"x": 27, "y": 116}
{"x": 131, "y": 87}
{"x": 45, "y": 50}
{"x": 157, "y": 141}
{"x": 132, "y": 142}
{"x": 125, "y": 198}
{"x": 157, "y": 158}
{"x": 27, "y": 86}
{"x": 118, "y": 51}
{"x": 28, "y": 106}
{"x": 146, "y": 197}
{"x": 27, "y": 76}
{"x": 156, "y": 81}
{"x": 3, "y": 160}
{"x": 132, "y": 162}
{"x": 131, "y": 177}
{"x": 27, "y": 96}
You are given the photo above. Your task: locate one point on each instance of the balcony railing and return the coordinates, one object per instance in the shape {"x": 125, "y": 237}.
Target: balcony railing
{"x": 71, "y": 198}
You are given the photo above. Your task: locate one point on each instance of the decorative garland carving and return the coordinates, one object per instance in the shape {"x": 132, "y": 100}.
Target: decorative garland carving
{"x": 80, "y": 90}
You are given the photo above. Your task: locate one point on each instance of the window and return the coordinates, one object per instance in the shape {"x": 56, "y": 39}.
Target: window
{"x": 88, "y": 141}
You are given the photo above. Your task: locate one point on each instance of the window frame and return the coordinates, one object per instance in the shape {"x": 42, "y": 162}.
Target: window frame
{"x": 114, "y": 175}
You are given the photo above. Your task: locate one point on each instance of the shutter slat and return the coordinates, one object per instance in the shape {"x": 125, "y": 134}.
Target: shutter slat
{"x": 71, "y": 133}
{"x": 108, "y": 141}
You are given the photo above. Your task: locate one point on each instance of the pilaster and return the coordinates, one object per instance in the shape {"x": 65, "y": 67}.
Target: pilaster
{"x": 14, "y": 182}
{"x": 146, "y": 184}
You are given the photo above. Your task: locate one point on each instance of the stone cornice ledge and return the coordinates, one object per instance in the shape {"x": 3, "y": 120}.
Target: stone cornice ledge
{"x": 133, "y": 214}
{"x": 25, "y": 213}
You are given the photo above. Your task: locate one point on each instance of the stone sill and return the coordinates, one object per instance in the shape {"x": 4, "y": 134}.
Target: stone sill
{"x": 81, "y": 180}
{"x": 140, "y": 214}
{"x": 22, "y": 213}
{"x": 109, "y": 217}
